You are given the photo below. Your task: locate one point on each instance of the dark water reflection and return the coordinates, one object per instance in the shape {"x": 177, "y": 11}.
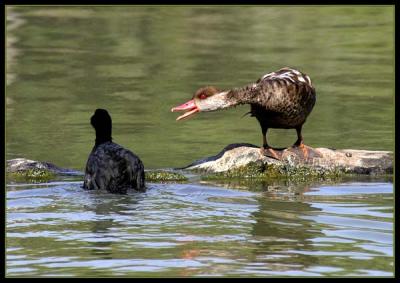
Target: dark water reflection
{"x": 138, "y": 62}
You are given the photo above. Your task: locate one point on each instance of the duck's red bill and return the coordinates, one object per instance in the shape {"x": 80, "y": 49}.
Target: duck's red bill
{"x": 190, "y": 108}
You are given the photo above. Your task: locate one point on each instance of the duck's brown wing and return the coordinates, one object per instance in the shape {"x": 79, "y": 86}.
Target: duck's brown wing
{"x": 286, "y": 89}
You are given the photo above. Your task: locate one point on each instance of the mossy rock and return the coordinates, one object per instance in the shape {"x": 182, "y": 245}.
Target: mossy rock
{"x": 31, "y": 176}
{"x": 164, "y": 176}
{"x": 259, "y": 170}
{"x": 244, "y": 160}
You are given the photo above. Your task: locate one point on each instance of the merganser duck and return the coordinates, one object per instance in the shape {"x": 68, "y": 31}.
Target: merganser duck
{"x": 282, "y": 99}
{"x": 110, "y": 166}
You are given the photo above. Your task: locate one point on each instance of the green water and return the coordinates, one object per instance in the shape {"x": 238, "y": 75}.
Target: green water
{"x": 138, "y": 62}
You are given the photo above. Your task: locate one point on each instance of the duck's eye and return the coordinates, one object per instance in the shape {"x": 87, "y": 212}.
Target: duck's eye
{"x": 203, "y": 96}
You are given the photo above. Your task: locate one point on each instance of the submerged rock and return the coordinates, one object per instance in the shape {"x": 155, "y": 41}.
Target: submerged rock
{"x": 26, "y": 170}
{"x": 20, "y": 165}
{"x": 240, "y": 159}
{"x": 22, "y": 169}
{"x": 31, "y": 176}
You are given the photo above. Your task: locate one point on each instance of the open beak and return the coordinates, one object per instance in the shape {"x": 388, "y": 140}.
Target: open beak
{"x": 190, "y": 108}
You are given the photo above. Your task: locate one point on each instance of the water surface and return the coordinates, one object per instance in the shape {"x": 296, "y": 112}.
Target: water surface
{"x": 139, "y": 62}
{"x": 200, "y": 230}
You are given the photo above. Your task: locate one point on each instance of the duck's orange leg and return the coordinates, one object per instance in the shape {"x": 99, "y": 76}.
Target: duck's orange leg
{"x": 269, "y": 151}
{"x": 272, "y": 153}
{"x": 306, "y": 151}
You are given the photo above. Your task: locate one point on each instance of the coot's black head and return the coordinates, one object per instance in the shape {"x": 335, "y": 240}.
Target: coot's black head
{"x": 102, "y": 123}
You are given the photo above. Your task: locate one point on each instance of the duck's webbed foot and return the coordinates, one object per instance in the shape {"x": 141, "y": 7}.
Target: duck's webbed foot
{"x": 304, "y": 151}
{"x": 272, "y": 153}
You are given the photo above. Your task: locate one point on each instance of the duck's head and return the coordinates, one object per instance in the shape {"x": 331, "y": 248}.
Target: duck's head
{"x": 204, "y": 100}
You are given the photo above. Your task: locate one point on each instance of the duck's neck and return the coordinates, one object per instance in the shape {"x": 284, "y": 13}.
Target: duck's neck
{"x": 229, "y": 98}
{"x": 243, "y": 95}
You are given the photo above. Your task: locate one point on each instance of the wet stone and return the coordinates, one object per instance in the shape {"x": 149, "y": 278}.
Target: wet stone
{"x": 248, "y": 160}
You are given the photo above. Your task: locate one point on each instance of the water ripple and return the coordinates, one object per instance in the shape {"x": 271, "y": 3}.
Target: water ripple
{"x": 197, "y": 230}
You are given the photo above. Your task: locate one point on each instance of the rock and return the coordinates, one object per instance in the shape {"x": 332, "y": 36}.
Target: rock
{"x": 351, "y": 161}
{"x": 23, "y": 165}
{"x": 22, "y": 169}
{"x": 242, "y": 160}
{"x": 26, "y": 170}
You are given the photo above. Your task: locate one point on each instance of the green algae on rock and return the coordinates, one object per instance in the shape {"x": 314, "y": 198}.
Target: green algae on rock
{"x": 259, "y": 170}
{"x": 164, "y": 176}
{"x": 23, "y": 165}
{"x": 33, "y": 175}
{"x": 26, "y": 170}
{"x": 322, "y": 162}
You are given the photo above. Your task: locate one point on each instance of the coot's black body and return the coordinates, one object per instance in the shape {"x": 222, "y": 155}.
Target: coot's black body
{"x": 110, "y": 166}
